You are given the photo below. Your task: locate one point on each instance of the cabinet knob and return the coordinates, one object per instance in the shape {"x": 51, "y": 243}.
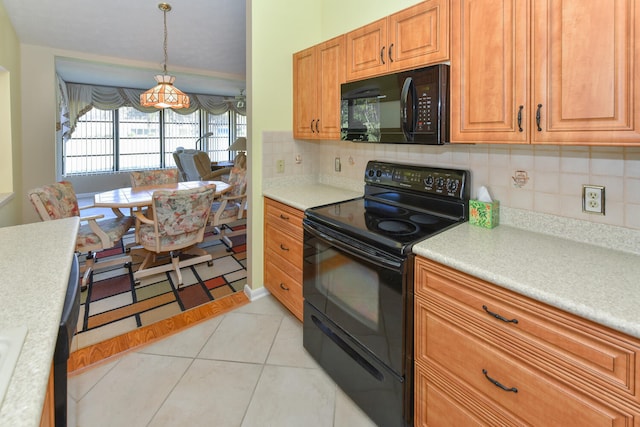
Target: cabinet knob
{"x": 283, "y": 247}
{"x": 382, "y": 55}
{"x": 311, "y": 127}
{"x": 283, "y": 216}
{"x": 317, "y": 124}
{"x": 283, "y": 287}
{"x": 390, "y": 54}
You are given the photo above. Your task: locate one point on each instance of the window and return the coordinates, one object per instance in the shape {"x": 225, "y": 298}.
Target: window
{"x": 127, "y": 139}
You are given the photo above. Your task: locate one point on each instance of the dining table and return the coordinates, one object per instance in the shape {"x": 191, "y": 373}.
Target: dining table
{"x": 142, "y": 196}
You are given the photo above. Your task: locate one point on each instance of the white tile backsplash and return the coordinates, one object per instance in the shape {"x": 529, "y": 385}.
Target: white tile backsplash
{"x": 556, "y": 174}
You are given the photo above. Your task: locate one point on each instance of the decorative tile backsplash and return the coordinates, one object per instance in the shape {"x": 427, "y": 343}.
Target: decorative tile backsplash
{"x": 555, "y": 174}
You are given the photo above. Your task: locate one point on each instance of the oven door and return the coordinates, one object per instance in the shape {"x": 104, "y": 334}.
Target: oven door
{"x": 360, "y": 289}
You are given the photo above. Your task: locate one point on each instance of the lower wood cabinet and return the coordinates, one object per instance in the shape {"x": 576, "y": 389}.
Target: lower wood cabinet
{"x": 488, "y": 356}
{"x": 48, "y": 418}
{"x": 283, "y": 254}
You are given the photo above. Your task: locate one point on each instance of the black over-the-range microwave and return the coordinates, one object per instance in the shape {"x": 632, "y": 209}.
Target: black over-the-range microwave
{"x": 411, "y": 107}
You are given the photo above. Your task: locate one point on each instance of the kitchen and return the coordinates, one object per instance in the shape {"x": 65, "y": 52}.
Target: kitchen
{"x": 554, "y": 174}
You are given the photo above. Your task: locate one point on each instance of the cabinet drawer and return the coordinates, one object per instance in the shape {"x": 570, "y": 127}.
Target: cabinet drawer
{"x": 577, "y": 351}
{"x": 444, "y": 400}
{"x": 284, "y": 245}
{"x": 519, "y": 388}
{"x": 283, "y": 217}
{"x": 285, "y": 288}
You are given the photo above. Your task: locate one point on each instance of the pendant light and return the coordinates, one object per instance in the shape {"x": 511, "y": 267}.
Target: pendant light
{"x": 164, "y": 94}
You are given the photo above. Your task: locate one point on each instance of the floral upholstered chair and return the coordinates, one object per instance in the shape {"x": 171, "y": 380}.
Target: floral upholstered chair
{"x": 56, "y": 201}
{"x": 154, "y": 177}
{"x": 179, "y": 219}
{"x": 232, "y": 206}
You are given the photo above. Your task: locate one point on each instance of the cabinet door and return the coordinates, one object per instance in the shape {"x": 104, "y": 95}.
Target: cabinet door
{"x": 331, "y": 73}
{"x": 586, "y": 78}
{"x": 366, "y": 50}
{"x": 304, "y": 93}
{"x": 489, "y": 77}
{"x": 419, "y": 35}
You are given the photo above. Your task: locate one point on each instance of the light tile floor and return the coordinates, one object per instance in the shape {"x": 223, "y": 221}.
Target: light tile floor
{"x": 244, "y": 368}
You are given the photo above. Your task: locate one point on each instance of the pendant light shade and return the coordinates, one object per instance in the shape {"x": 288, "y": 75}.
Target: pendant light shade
{"x": 164, "y": 94}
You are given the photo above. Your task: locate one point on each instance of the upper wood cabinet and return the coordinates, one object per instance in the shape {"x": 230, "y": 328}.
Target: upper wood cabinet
{"x": 412, "y": 38}
{"x": 317, "y": 74}
{"x": 543, "y": 72}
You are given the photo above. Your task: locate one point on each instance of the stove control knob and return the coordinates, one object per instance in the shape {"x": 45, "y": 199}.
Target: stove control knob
{"x": 371, "y": 172}
{"x": 440, "y": 183}
{"x": 452, "y": 185}
{"x": 428, "y": 181}
{"x": 378, "y": 173}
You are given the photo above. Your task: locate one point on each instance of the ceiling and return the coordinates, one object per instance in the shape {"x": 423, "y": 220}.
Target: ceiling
{"x": 206, "y": 41}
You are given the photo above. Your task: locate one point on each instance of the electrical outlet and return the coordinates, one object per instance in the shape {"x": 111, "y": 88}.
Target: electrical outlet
{"x": 280, "y": 166}
{"x": 593, "y": 199}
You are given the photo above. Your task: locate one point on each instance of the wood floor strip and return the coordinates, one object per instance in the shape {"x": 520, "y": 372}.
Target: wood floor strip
{"x": 88, "y": 357}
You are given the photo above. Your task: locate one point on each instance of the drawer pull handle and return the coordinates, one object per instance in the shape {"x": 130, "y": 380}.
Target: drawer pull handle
{"x": 520, "y": 118}
{"x": 283, "y": 287}
{"x": 284, "y": 217}
{"x": 283, "y": 247}
{"x": 497, "y": 384}
{"x": 497, "y": 316}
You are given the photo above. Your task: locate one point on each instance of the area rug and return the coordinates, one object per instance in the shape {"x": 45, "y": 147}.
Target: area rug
{"x": 113, "y": 304}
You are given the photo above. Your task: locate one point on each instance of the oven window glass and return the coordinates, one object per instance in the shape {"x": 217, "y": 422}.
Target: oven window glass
{"x": 359, "y": 295}
{"x": 350, "y": 286}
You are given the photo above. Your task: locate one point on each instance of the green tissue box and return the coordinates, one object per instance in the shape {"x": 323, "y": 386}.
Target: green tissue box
{"x": 484, "y": 214}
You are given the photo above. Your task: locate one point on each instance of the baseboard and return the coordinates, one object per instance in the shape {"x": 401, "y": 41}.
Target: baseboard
{"x": 254, "y": 294}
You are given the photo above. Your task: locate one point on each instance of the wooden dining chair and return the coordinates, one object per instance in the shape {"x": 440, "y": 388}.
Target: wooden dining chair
{"x": 59, "y": 200}
{"x": 177, "y": 225}
{"x": 231, "y": 207}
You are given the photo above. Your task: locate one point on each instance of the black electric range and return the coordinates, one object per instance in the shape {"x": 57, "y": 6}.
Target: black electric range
{"x": 403, "y": 204}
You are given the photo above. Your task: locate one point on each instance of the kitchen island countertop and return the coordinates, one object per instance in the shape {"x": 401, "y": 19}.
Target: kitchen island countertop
{"x": 594, "y": 282}
{"x": 36, "y": 262}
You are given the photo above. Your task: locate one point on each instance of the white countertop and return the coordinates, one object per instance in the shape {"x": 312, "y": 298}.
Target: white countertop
{"x": 593, "y": 282}
{"x": 308, "y": 195}
{"x": 36, "y": 261}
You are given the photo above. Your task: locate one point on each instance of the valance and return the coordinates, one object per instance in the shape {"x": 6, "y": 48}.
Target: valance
{"x": 76, "y": 99}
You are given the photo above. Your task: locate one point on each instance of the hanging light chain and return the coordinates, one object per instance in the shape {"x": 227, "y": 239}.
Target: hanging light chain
{"x": 165, "y": 7}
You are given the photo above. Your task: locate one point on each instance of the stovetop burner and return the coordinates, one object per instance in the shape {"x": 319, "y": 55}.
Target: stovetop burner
{"x": 397, "y": 226}
{"x": 402, "y": 205}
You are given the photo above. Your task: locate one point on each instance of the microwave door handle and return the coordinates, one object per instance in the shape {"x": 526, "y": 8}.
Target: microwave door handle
{"x": 406, "y": 129}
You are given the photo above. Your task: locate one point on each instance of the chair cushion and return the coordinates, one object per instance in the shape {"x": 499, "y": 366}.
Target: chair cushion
{"x": 59, "y": 200}
{"x": 230, "y": 211}
{"x": 114, "y": 227}
{"x": 154, "y": 177}
{"x": 237, "y": 181}
{"x": 180, "y": 219}
{"x": 147, "y": 238}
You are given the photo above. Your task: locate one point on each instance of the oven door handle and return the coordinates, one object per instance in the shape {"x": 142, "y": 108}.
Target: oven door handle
{"x": 373, "y": 256}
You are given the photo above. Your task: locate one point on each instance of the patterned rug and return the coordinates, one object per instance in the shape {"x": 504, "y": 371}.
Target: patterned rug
{"x": 114, "y": 304}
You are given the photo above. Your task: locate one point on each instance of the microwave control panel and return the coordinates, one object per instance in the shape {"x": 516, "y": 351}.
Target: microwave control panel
{"x": 424, "y": 106}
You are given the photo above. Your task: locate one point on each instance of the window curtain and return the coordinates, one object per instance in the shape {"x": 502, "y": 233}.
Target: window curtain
{"x": 76, "y": 99}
